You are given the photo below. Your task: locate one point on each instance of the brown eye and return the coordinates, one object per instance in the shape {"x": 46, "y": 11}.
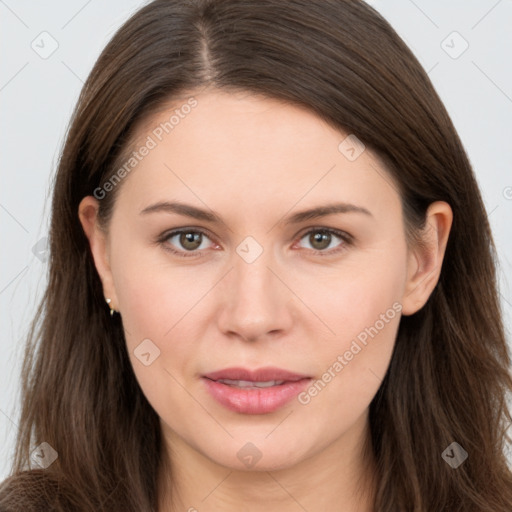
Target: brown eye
{"x": 185, "y": 242}
{"x": 321, "y": 239}
{"x": 190, "y": 240}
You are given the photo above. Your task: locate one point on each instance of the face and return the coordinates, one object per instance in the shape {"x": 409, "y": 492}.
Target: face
{"x": 258, "y": 335}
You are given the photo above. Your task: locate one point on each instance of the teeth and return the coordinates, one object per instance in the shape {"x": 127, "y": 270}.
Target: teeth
{"x": 250, "y": 384}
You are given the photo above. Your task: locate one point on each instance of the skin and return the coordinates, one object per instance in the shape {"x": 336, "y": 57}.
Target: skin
{"x": 254, "y": 161}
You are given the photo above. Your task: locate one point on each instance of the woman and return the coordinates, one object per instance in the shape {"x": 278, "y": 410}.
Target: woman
{"x": 272, "y": 281}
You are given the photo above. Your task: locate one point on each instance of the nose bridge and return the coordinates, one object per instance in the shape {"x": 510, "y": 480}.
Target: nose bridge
{"x": 253, "y": 279}
{"x": 255, "y": 300}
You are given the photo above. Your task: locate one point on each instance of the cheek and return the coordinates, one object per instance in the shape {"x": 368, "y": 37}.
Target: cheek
{"x": 162, "y": 302}
{"x": 153, "y": 294}
{"x": 353, "y": 295}
{"x": 352, "y": 363}
{"x": 154, "y": 303}
{"x": 361, "y": 306}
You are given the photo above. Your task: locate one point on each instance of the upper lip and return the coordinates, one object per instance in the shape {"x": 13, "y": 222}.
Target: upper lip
{"x": 259, "y": 375}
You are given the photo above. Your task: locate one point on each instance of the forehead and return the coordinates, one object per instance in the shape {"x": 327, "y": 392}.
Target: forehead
{"x": 253, "y": 150}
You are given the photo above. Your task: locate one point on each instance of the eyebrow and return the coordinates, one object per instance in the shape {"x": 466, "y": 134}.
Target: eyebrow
{"x": 208, "y": 216}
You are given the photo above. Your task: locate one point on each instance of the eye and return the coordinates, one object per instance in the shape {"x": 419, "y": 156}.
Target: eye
{"x": 321, "y": 238}
{"x": 187, "y": 240}
{"x": 190, "y": 242}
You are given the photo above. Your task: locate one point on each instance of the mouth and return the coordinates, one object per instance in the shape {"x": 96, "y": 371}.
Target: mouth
{"x": 247, "y": 384}
{"x": 261, "y": 391}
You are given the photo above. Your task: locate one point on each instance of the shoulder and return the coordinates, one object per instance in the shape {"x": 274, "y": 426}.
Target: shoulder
{"x": 30, "y": 491}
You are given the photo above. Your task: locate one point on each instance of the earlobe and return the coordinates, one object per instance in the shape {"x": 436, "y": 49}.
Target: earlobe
{"x": 87, "y": 213}
{"x": 426, "y": 258}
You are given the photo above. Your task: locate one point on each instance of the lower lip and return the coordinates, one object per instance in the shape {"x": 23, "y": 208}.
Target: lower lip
{"x": 255, "y": 401}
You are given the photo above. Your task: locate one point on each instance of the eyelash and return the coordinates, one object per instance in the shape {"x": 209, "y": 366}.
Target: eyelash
{"x": 347, "y": 239}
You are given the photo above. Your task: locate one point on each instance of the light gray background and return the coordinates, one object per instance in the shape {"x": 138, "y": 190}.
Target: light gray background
{"x": 37, "y": 96}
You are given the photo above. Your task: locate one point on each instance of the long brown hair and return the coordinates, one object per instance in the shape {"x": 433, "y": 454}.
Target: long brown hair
{"x": 449, "y": 375}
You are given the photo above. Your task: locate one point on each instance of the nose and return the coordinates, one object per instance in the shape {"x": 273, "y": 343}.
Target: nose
{"x": 256, "y": 303}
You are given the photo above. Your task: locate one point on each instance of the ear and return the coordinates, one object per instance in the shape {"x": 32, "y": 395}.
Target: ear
{"x": 98, "y": 242}
{"x": 426, "y": 258}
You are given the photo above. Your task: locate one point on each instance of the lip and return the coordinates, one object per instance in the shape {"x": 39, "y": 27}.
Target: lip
{"x": 260, "y": 375}
{"x": 250, "y": 400}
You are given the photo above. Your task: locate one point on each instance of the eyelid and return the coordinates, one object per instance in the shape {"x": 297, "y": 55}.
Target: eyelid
{"x": 166, "y": 235}
{"x": 343, "y": 235}
{"x": 347, "y": 238}
{"x": 338, "y": 232}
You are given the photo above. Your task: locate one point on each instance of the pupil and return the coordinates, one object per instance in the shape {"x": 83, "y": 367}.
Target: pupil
{"x": 321, "y": 237}
{"x": 190, "y": 238}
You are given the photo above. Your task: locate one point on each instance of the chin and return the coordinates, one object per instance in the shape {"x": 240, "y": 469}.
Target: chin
{"x": 256, "y": 456}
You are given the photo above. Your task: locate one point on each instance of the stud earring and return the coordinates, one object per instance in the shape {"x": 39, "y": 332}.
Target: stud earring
{"x": 112, "y": 310}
